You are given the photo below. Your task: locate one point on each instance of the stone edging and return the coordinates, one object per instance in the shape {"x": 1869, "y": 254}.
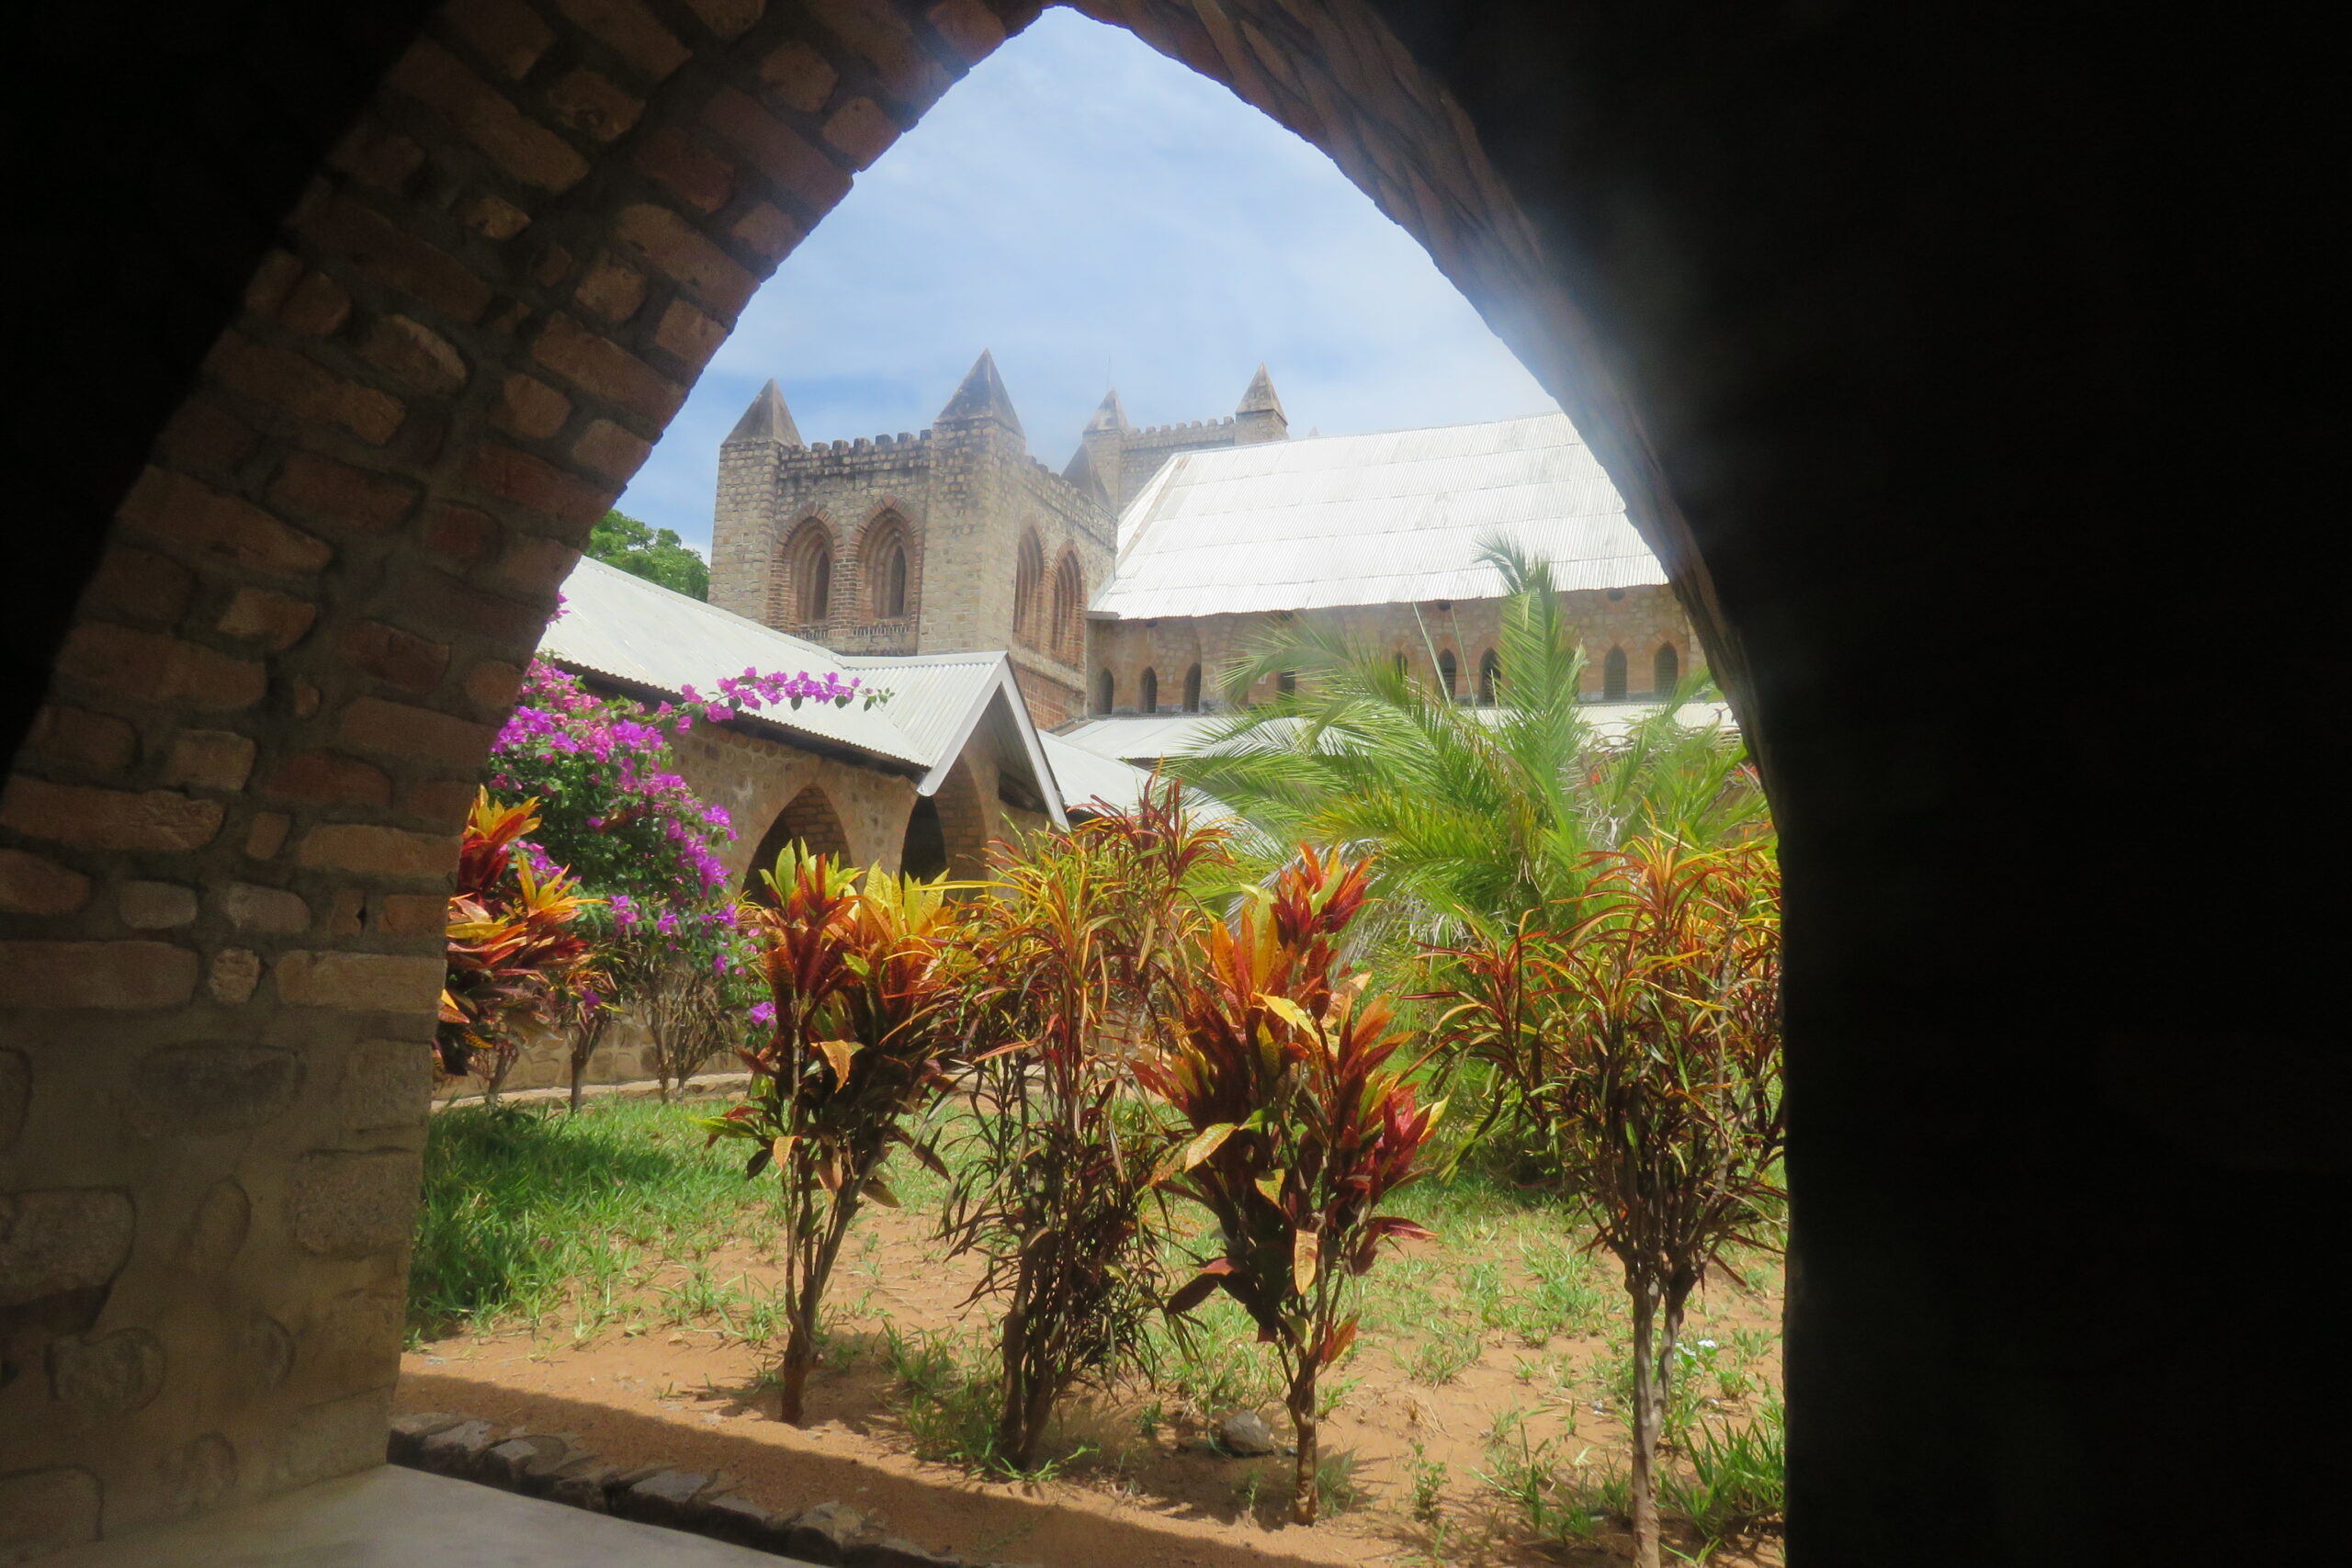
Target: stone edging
{"x": 558, "y": 1470}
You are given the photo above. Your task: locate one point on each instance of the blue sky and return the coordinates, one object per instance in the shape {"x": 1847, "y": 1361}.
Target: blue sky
{"x": 1091, "y": 210}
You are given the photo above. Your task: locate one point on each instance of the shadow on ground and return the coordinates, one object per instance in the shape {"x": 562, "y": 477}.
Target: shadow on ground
{"x": 784, "y": 1469}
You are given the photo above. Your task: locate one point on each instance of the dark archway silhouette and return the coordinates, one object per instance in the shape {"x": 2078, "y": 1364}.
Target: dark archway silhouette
{"x": 1147, "y": 691}
{"x": 1449, "y": 676}
{"x": 1666, "y": 669}
{"x": 1106, "y": 692}
{"x": 808, "y": 819}
{"x": 334, "y": 367}
{"x": 1193, "y": 689}
{"x": 1612, "y": 676}
{"x": 924, "y": 853}
{"x": 1490, "y": 669}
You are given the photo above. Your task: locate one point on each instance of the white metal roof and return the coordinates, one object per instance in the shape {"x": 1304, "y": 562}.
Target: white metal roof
{"x": 1143, "y": 738}
{"x": 645, "y": 636}
{"x": 1394, "y": 518}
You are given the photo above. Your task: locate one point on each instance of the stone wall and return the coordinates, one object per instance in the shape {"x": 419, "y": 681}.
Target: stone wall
{"x": 1636, "y": 621}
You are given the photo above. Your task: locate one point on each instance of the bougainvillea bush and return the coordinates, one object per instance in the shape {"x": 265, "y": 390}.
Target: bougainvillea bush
{"x": 615, "y": 813}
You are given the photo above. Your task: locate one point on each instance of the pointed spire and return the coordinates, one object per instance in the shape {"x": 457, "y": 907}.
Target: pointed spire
{"x": 766, "y": 420}
{"x": 1081, "y": 475}
{"x": 982, "y": 396}
{"x": 1111, "y": 415}
{"x": 1260, "y": 399}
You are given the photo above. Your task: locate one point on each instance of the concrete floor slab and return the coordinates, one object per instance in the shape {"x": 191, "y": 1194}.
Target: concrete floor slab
{"x": 395, "y": 1517}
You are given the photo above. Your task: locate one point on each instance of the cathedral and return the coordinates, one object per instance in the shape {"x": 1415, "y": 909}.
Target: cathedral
{"x": 1122, "y": 586}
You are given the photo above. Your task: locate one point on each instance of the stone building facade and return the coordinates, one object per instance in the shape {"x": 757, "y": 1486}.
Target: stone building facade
{"x": 1637, "y": 644}
{"x": 950, "y": 540}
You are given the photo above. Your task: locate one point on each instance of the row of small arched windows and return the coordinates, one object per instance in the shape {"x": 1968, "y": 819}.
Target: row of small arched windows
{"x": 1666, "y": 672}
{"x": 1106, "y": 693}
{"x": 801, "y": 591}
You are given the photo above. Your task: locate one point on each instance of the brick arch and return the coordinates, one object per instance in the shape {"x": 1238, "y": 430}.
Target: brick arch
{"x": 809, "y": 819}
{"x": 804, "y": 580}
{"x": 889, "y": 577}
{"x": 1065, "y": 629}
{"x": 1028, "y": 587}
{"x": 328, "y": 548}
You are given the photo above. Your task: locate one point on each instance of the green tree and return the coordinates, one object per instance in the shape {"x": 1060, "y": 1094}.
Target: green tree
{"x": 1478, "y": 816}
{"x": 657, "y": 554}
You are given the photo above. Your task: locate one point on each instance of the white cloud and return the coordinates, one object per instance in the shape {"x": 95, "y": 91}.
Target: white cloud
{"x": 1091, "y": 210}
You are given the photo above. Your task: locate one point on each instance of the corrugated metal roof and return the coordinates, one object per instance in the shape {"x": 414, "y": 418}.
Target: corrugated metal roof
{"x": 1145, "y": 738}
{"x": 1393, "y": 518}
{"x": 639, "y": 633}
{"x": 1086, "y": 776}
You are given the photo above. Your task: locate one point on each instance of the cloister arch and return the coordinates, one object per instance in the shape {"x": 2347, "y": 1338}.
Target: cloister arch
{"x": 354, "y": 390}
{"x": 808, "y": 819}
{"x": 1192, "y": 688}
{"x": 1147, "y": 691}
{"x": 1666, "y": 669}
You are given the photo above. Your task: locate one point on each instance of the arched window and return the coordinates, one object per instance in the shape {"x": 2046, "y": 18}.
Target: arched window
{"x": 1028, "y": 586}
{"x": 1490, "y": 668}
{"x": 1448, "y": 675}
{"x": 1068, "y": 637}
{"x": 1666, "y": 669}
{"x": 885, "y": 568}
{"x": 800, "y": 592}
{"x": 1147, "y": 691}
{"x": 1193, "y": 689}
{"x": 1612, "y": 676}
{"x": 1287, "y": 684}
{"x": 817, "y": 584}
{"x": 1105, "y": 689}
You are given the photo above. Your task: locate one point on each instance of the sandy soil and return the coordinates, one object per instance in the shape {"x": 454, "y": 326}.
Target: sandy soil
{"x": 694, "y": 1398}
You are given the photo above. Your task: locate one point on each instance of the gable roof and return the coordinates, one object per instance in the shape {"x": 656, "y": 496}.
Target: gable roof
{"x": 646, "y": 638}
{"x": 1393, "y": 518}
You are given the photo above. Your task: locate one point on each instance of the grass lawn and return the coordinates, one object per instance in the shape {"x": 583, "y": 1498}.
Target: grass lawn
{"x": 610, "y": 1260}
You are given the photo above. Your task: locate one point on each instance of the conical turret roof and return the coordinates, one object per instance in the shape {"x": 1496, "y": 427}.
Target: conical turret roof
{"x": 766, "y": 420}
{"x": 1260, "y": 399}
{"x": 1081, "y": 474}
{"x": 982, "y": 396}
{"x": 1111, "y": 415}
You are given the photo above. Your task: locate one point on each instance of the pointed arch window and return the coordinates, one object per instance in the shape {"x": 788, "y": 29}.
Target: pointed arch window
{"x": 1287, "y": 684}
{"x": 1448, "y": 674}
{"x": 885, "y": 568}
{"x": 1066, "y": 637}
{"x": 1490, "y": 669}
{"x": 1147, "y": 691}
{"x": 1612, "y": 676}
{"x": 1666, "y": 669}
{"x": 800, "y": 591}
{"x": 1193, "y": 689}
{"x": 1028, "y": 586}
{"x": 1107, "y": 688}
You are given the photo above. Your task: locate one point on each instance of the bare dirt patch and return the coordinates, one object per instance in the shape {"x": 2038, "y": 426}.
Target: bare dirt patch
{"x": 1487, "y": 1374}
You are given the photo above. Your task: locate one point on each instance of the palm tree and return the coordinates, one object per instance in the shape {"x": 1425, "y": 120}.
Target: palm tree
{"x": 1478, "y": 815}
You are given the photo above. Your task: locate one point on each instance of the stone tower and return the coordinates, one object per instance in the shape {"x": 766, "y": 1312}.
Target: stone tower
{"x": 1114, "y": 459}
{"x": 953, "y": 540}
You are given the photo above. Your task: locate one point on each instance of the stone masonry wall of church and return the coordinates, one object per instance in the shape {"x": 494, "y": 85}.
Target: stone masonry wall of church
{"x": 1638, "y": 620}
{"x": 965, "y": 490}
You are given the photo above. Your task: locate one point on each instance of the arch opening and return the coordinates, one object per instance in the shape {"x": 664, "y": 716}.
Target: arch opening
{"x": 1147, "y": 691}
{"x": 1666, "y": 671}
{"x": 924, "y": 850}
{"x": 1193, "y": 689}
{"x": 807, "y": 819}
{"x": 1612, "y": 676}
